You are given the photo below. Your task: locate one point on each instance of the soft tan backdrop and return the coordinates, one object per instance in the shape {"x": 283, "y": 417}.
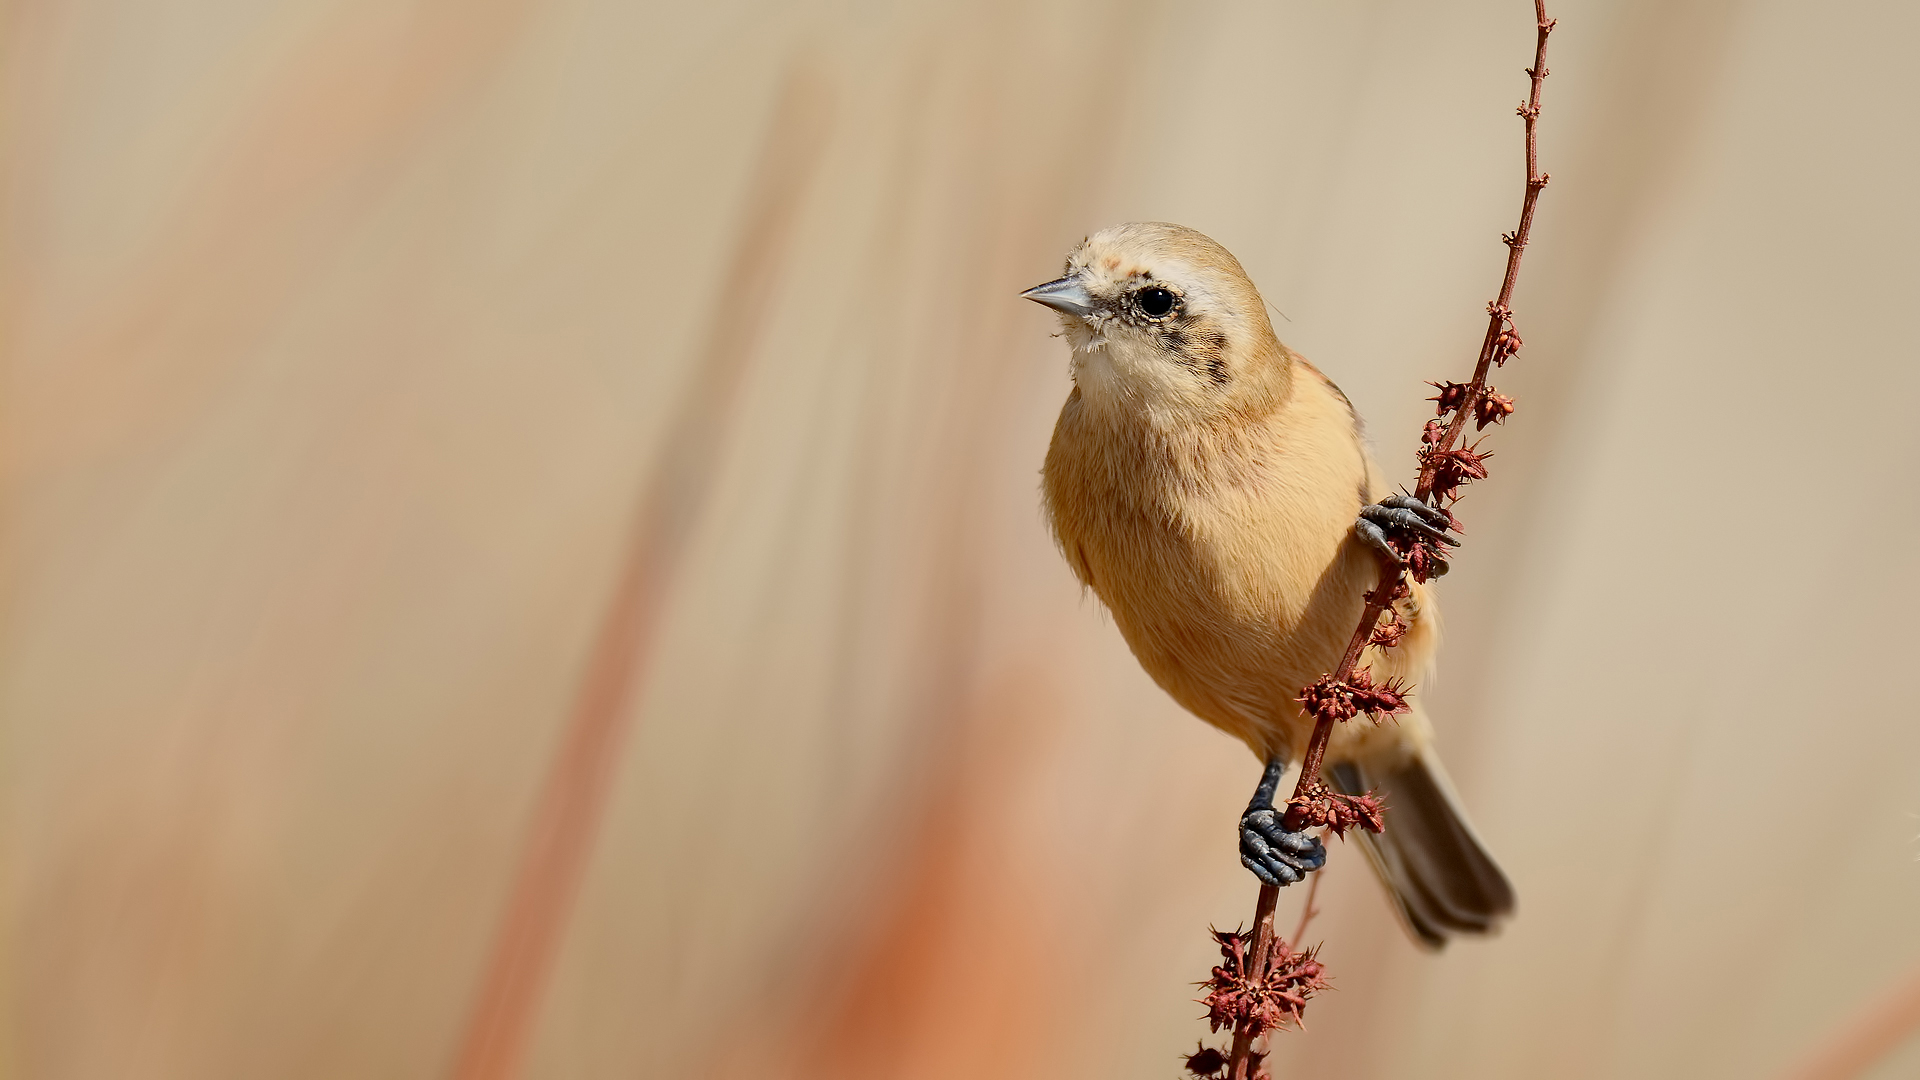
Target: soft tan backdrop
{"x": 521, "y": 547}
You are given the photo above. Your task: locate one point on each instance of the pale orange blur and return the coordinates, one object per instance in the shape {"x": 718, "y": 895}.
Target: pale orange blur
{"x": 521, "y": 551}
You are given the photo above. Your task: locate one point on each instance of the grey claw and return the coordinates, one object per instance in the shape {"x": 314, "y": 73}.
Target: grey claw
{"x": 1434, "y": 516}
{"x": 1412, "y": 523}
{"x": 1267, "y": 825}
{"x": 1295, "y": 843}
{"x": 1388, "y": 517}
{"x": 1277, "y": 875}
{"x": 1276, "y": 856}
{"x": 1376, "y": 538}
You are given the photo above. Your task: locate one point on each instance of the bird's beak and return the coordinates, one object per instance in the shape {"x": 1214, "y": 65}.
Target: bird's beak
{"x": 1066, "y": 295}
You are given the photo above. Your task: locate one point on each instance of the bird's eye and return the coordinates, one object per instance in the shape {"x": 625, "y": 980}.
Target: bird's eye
{"x": 1154, "y": 302}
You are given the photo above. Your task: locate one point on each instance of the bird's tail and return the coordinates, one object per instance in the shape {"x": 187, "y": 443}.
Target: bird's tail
{"x": 1433, "y": 865}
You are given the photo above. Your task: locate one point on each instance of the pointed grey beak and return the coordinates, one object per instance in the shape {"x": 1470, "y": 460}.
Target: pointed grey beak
{"x": 1066, "y": 294}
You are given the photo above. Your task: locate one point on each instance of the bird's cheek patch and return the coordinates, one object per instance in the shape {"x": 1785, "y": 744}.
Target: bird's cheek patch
{"x": 1204, "y": 351}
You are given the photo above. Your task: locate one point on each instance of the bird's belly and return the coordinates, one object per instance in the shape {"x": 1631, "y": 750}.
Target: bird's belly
{"x": 1233, "y": 627}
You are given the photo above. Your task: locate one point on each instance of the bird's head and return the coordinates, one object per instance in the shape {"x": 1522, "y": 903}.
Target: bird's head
{"x": 1164, "y": 324}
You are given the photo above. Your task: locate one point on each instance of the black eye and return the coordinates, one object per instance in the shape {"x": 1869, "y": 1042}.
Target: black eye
{"x": 1154, "y": 302}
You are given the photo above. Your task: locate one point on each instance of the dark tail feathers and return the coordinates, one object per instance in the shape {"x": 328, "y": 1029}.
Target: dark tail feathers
{"x": 1440, "y": 877}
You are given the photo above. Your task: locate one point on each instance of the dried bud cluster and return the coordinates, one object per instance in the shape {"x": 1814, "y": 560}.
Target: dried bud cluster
{"x": 1318, "y": 805}
{"x": 1387, "y": 634}
{"x": 1330, "y": 698}
{"x": 1262, "y": 1001}
{"x": 1492, "y": 408}
{"x": 1453, "y": 469}
{"x": 1424, "y": 559}
{"x": 1449, "y": 469}
{"x": 1507, "y": 342}
{"x": 1206, "y": 1061}
{"x": 1451, "y": 396}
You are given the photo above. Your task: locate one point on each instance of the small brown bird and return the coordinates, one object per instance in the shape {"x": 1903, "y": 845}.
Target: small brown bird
{"x": 1214, "y": 490}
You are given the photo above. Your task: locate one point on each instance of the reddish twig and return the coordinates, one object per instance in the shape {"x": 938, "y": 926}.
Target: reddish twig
{"x": 1245, "y": 1032}
{"x": 1439, "y": 461}
{"x": 1349, "y": 689}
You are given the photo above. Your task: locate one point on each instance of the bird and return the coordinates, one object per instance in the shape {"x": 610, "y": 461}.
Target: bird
{"x": 1215, "y": 492}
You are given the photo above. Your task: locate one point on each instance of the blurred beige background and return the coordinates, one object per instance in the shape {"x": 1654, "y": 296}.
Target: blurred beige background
{"x": 522, "y": 554}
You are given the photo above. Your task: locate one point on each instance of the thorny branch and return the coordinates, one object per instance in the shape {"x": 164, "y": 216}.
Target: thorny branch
{"x": 1265, "y": 987}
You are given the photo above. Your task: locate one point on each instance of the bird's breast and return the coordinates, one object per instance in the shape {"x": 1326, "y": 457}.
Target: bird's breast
{"x": 1224, "y": 562}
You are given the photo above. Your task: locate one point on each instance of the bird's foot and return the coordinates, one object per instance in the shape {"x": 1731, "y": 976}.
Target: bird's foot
{"x": 1405, "y": 531}
{"x": 1276, "y": 856}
